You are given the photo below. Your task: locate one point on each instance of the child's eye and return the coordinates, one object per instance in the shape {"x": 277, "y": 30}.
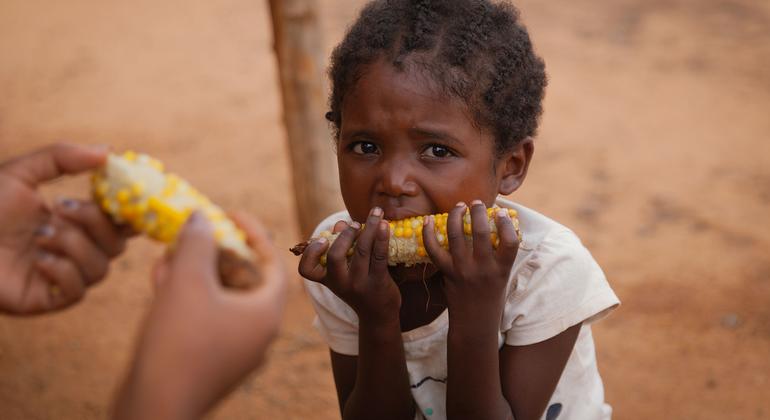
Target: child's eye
{"x": 437, "y": 151}
{"x": 364, "y": 148}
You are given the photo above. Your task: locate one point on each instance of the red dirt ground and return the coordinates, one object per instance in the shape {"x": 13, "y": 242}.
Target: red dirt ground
{"x": 653, "y": 148}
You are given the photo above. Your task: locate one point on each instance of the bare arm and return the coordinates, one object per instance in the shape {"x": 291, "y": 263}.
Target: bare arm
{"x": 529, "y": 374}
{"x": 374, "y": 384}
{"x": 515, "y": 382}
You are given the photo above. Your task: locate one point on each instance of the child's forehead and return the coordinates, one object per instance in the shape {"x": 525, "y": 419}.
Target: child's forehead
{"x": 399, "y": 96}
{"x": 407, "y": 75}
{"x": 408, "y": 87}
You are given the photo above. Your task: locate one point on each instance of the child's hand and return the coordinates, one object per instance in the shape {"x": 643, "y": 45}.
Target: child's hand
{"x": 475, "y": 275}
{"x": 49, "y": 257}
{"x": 364, "y": 282}
{"x": 200, "y": 339}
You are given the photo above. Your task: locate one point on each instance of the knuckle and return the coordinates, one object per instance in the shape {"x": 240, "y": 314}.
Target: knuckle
{"x": 380, "y": 257}
{"x": 361, "y": 250}
{"x": 455, "y": 235}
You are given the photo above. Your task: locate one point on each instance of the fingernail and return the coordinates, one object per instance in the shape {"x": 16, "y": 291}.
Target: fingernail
{"x": 477, "y": 203}
{"x": 45, "y": 231}
{"x": 44, "y": 256}
{"x": 69, "y": 203}
{"x": 377, "y": 212}
{"x": 322, "y": 240}
{"x": 355, "y": 225}
{"x": 460, "y": 204}
{"x": 502, "y": 213}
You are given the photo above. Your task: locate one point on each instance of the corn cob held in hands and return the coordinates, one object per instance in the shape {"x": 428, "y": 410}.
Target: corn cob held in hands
{"x": 405, "y": 245}
{"x": 134, "y": 190}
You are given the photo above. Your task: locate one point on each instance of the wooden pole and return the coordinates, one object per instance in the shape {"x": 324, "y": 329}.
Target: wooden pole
{"x": 300, "y": 54}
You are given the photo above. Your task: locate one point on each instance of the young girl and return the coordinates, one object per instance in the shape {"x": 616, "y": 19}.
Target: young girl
{"x": 434, "y": 105}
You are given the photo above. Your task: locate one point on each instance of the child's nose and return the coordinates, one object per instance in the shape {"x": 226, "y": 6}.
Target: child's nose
{"x": 396, "y": 179}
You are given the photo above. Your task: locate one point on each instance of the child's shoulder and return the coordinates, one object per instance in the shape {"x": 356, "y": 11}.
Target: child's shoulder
{"x": 539, "y": 231}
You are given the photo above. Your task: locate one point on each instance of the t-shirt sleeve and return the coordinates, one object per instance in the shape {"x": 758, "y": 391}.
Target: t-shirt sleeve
{"x": 335, "y": 320}
{"x": 559, "y": 284}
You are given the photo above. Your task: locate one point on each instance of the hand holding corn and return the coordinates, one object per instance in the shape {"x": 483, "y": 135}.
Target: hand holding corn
{"x": 134, "y": 189}
{"x": 406, "y": 246}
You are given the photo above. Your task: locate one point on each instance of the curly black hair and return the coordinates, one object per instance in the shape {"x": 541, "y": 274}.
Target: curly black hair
{"x": 476, "y": 50}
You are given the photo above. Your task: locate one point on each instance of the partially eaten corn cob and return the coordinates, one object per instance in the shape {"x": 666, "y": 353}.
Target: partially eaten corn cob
{"x": 406, "y": 246}
{"x": 134, "y": 189}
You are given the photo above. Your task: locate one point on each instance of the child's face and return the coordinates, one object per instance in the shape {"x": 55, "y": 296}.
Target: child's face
{"x": 411, "y": 151}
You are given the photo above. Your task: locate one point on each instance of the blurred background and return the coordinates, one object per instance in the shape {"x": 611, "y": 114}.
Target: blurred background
{"x": 654, "y": 147}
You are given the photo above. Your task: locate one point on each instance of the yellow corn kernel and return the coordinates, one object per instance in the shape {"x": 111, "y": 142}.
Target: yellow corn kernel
{"x": 123, "y": 197}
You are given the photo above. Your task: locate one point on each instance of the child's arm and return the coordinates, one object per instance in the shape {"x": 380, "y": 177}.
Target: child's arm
{"x": 529, "y": 374}
{"x": 475, "y": 282}
{"x": 200, "y": 338}
{"x": 49, "y": 256}
{"x": 375, "y": 384}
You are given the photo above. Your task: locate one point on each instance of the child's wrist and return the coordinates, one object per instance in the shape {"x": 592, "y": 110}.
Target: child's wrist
{"x": 379, "y": 325}
{"x": 472, "y": 320}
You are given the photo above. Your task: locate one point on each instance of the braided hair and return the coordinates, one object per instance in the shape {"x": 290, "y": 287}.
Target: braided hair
{"x": 475, "y": 50}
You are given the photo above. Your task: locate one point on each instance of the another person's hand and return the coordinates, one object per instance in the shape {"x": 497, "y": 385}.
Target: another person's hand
{"x": 49, "y": 256}
{"x": 200, "y": 339}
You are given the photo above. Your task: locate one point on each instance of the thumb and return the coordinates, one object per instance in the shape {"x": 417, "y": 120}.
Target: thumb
{"x": 196, "y": 250}
{"x": 54, "y": 161}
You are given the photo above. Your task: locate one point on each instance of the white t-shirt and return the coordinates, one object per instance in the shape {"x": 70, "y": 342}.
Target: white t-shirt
{"x": 555, "y": 283}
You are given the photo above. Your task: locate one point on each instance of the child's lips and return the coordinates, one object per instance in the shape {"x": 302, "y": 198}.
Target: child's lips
{"x": 398, "y": 213}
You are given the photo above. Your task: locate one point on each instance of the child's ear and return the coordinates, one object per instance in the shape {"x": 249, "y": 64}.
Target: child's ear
{"x": 513, "y": 166}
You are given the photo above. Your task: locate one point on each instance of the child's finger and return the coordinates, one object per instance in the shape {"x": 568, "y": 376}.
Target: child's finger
{"x": 440, "y": 257}
{"x": 310, "y": 266}
{"x": 67, "y": 283}
{"x": 482, "y": 249}
{"x": 68, "y": 240}
{"x": 509, "y": 241}
{"x": 378, "y": 265}
{"x": 54, "y": 161}
{"x": 339, "y": 226}
{"x": 97, "y": 224}
{"x": 458, "y": 247}
{"x": 360, "y": 264}
{"x": 337, "y": 256}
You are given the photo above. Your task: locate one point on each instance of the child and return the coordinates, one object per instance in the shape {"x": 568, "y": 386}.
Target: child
{"x": 434, "y": 104}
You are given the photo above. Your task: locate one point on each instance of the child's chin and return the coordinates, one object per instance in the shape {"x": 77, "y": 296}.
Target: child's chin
{"x": 417, "y": 272}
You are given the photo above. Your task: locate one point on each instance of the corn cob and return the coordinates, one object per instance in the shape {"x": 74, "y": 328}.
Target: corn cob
{"x": 134, "y": 189}
{"x": 406, "y": 246}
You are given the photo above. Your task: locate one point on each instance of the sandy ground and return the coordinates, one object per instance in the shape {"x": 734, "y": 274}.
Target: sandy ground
{"x": 653, "y": 148}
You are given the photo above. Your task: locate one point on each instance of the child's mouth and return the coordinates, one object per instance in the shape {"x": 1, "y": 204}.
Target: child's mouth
{"x": 398, "y": 213}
